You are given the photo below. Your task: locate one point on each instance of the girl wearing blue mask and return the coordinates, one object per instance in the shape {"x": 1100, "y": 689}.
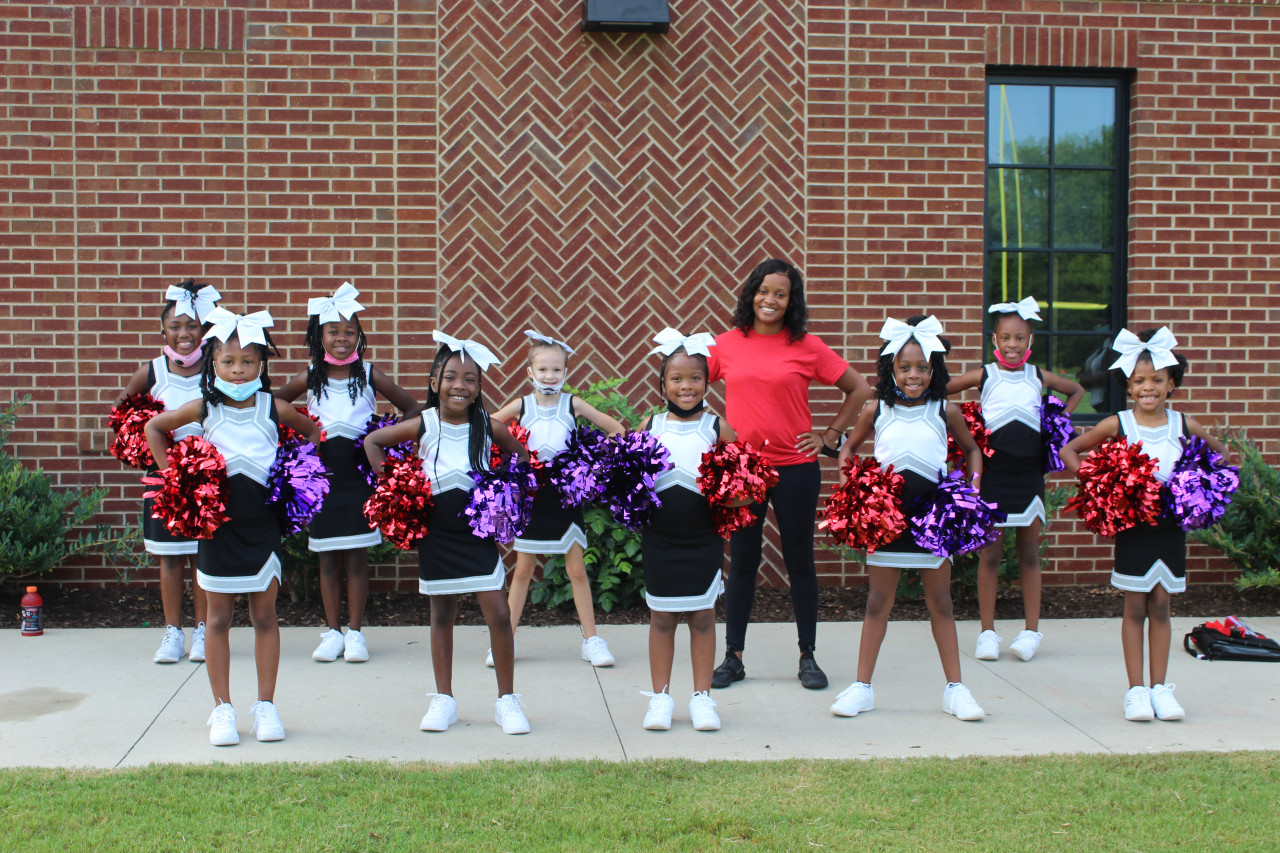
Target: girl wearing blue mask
{"x": 241, "y": 419}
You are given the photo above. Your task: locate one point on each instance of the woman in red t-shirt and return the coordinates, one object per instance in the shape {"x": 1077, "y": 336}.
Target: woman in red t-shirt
{"x": 767, "y": 361}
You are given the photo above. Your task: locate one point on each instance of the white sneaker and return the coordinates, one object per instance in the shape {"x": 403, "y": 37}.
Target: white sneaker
{"x": 354, "y": 647}
{"x": 1137, "y": 704}
{"x": 1163, "y": 703}
{"x": 596, "y": 650}
{"x": 988, "y": 646}
{"x": 853, "y": 700}
{"x": 171, "y": 647}
{"x": 661, "y": 707}
{"x": 222, "y": 726}
{"x": 442, "y": 713}
{"x": 488, "y": 656}
{"x": 331, "y": 645}
{"x": 702, "y": 710}
{"x": 197, "y": 644}
{"x": 957, "y": 700}
{"x": 1026, "y": 644}
{"x": 266, "y": 721}
{"x": 507, "y": 713}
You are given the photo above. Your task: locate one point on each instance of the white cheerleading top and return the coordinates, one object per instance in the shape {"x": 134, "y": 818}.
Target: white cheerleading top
{"x": 247, "y": 438}
{"x": 1161, "y": 443}
{"x": 338, "y": 415}
{"x": 913, "y": 438}
{"x": 442, "y": 448}
{"x": 686, "y": 441}
{"x": 1010, "y": 396}
{"x": 549, "y": 426}
{"x": 174, "y": 391}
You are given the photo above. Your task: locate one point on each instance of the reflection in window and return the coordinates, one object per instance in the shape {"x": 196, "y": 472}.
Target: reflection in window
{"x": 1055, "y": 217}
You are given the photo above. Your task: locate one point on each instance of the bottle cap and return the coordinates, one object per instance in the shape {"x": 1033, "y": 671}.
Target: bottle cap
{"x": 31, "y": 589}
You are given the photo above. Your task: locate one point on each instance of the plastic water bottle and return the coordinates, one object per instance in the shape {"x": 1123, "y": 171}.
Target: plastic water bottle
{"x": 1236, "y": 624}
{"x": 31, "y": 606}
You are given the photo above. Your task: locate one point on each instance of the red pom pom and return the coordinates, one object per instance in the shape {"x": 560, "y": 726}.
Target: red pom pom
{"x": 127, "y": 421}
{"x": 973, "y": 419}
{"x": 733, "y": 472}
{"x": 191, "y": 494}
{"x": 866, "y": 511}
{"x": 400, "y": 503}
{"x": 496, "y": 453}
{"x": 1118, "y": 488}
{"x": 288, "y": 435}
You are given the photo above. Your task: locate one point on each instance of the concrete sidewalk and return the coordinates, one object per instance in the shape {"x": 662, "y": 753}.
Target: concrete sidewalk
{"x": 93, "y": 698}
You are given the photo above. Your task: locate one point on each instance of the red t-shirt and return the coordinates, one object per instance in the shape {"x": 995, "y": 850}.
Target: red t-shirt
{"x": 766, "y": 387}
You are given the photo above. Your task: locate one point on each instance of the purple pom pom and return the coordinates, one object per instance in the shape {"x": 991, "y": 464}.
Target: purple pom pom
{"x": 395, "y": 453}
{"x": 502, "y": 500}
{"x": 298, "y": 482}
{"x": 631, "y": 470}
{"x": 1200, "y": 488}
{"x": 577, "y": 473}
{"x": 1056, "y": 431}
{"x": 954, "y": 519}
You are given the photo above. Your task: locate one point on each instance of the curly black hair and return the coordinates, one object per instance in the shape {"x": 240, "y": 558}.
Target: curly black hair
{"x": 477, "y": 416}
{"x": 318, "y": 370}
{"x": 796, "y": 318}
{"x": 209, "y": 392}
{"x": 1176, "y": 371}
{"x": 887, "y": 385}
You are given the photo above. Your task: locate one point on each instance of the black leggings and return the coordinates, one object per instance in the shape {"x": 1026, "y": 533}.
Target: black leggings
{"x": 795, "y": 505}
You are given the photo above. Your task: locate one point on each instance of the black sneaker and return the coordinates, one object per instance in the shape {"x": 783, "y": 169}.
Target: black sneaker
{"x": 728, "y": 672}
{"x": 811, "y": 675}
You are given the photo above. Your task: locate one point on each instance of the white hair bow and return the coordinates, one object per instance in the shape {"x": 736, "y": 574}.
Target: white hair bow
{"x": 247, "y": 327}
{"x": 1131, "y": 348}
{"x": 546, "y": 340}
{"x": 1027, "y": 309}
{"x": 479, "y": 353}
{"x": 669, "y": 340}
{"x": 195, "y": 307}
{"x": 341, "y": 306}
{"x": 897, "y": 333}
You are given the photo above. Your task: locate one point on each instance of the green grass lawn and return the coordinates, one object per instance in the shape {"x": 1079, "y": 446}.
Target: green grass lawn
{"x": 1206, "y": 803}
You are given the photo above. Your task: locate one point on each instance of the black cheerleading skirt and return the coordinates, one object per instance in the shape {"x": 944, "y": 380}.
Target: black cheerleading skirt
{"x": 1147, "y": 555}
{"x": 451, "y": 559}
{"x": 903, "y": 552}
{"x": 244, "y": 553}
{"x": 341, "y": 525}
{"x": 553, "y": 528}
{"x": 682, "y": 554}
{"x": 1015, "y": 484}
{"x": 157, "y": 539}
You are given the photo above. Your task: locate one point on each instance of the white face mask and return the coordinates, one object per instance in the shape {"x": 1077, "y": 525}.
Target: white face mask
{"x": 549, "y": 390}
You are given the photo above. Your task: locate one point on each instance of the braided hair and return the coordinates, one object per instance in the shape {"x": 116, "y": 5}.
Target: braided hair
{"x": 190, "y": 286}
{"x": 318, "y": 369}
{"x": 887, "y": 385}
{"x": 481, "y": 431}
{"x": 209, "y": 392}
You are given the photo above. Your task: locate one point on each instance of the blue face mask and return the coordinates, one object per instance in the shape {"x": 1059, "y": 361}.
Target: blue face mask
{"x": 240, "y": 392}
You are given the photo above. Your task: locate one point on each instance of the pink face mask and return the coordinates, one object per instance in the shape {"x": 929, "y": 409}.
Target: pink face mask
{"x": 185, "y": 360}
{"x": 1026, "y": 356}
{"x": 328, "y": 359}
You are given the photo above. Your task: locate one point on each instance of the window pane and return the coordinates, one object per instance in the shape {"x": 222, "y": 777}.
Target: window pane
{"x": 1017, "y": 208}
{"x": 1081, "y": 293}
{"x": 1086, "y": 359}
{"x": 1017, "y": 124}
{"x": 1084, "y": 126}
{"x": 1082, "y": 209}
{"x": 1012, "y": 276}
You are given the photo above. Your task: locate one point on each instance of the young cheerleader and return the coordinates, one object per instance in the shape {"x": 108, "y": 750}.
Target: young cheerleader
{"x": 683, "y": 555}
{"x": 173, "y": 379}
{"x": 454, "y": 435}
{"x": 910, "y": 420}
{"x": 1013, "y": 477}
{"x": 550, "y": 415}
{"x": 1150, "y": 561}
{"x": 341, "y": 388}
{"x": 240, "y": 418}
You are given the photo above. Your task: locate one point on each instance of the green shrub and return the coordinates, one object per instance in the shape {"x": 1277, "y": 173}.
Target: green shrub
{"x": 1249, "y": 532}
{"x": 36, "y": 519}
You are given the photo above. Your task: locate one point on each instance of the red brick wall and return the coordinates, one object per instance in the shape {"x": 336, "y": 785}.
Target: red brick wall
{"x": 484, "y": 167}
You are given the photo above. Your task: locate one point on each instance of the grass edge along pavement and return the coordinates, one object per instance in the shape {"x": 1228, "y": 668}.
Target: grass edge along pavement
{"x": 1162, "y": 801}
